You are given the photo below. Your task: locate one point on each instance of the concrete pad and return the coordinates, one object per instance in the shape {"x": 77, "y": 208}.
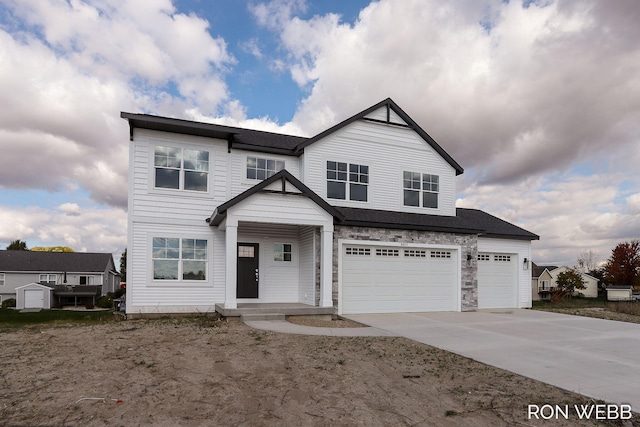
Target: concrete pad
{"x": 594, "y": 357}
{"x": 285, "y": 327}
{"x": 30, "y": 310}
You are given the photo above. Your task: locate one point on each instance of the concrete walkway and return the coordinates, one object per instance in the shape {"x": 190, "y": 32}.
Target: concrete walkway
{"x": 290, "y": 328}
{"x": 594, "y": 357}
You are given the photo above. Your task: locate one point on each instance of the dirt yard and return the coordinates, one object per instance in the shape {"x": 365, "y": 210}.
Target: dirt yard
{"x": 201, "y": 372}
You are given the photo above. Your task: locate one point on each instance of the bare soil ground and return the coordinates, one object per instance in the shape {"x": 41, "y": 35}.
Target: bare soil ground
{"x": 201, "y": 372}
{"x": 596, "y": 312}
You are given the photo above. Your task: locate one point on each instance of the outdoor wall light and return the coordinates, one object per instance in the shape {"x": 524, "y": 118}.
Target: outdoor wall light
{"x": 469, "y": 259}
{"x": 525, "y": 265}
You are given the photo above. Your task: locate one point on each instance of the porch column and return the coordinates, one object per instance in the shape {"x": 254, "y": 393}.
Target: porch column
{"x": 326, "y": 266}
{"x": 231, "y": 270}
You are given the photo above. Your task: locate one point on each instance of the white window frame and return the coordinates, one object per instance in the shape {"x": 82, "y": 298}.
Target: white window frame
{"x": 181, "y": 259}
{"x": 278, "y": 165}
{"x": 47, "y": 276}
{"x": 89, "y": 280}
{"x": 425, "y": 180}
{"x": 280, "y": 251}
{"x": 2, "y": 279}
{"x": 353, "y": 175}
{"x": 181, "y": 169}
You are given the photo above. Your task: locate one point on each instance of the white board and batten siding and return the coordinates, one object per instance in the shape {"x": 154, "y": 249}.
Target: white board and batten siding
{"x": 503, "y": 281}
{"x": 388, "y": 151}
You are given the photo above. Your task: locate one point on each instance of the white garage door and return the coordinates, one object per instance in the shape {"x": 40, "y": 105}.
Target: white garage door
{"x": 378, "y": 279}
{"x": 33, "y": 298}
{"x": 497, "y": 281}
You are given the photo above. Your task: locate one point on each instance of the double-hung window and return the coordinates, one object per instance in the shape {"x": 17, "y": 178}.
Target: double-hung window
{"x": 282, "y": 252}
{"x": 261, "y": 168}
{"x": 1, "y": 279}
{"x": 51, "y": 279}
{"x": 181, "y": 168}
{"x": 421, "y": 189}
{"x": 86, "y": 280}
{"x": 179, "y": 259}
{"x": 347, "y": 181}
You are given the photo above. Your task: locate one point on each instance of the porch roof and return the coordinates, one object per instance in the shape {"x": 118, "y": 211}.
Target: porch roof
{"x": 220, "y": 213}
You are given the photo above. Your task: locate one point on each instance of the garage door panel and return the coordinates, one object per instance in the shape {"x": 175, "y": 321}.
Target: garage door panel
{"x": 391, "y": 280}
{"x": 33, "y": 298}
{"x": 497, "y": 280}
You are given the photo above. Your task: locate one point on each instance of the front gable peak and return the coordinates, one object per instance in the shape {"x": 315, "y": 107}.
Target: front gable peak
{"x": 386, "y": 112}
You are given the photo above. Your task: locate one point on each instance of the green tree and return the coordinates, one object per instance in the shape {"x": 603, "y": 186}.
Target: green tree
{"x": 623, "y": 267}
{"x": 123, "y": 266}
{"x": 17, "y": 245}
{"x": 567, "y": 283}
{"x": 52, "y": 249}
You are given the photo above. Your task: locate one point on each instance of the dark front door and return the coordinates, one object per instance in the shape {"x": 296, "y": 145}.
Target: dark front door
{"x": 247, "y": 270}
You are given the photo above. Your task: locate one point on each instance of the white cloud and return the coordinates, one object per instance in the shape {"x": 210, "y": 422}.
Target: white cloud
{"x": 80, "y": 228}
{"x": 522, "y": 97}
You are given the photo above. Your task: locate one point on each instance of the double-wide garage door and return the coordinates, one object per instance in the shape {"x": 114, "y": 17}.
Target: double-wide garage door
{"x": 380, "y": 279}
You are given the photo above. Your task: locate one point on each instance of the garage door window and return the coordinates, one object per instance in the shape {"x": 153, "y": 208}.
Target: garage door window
{"x": 484, "y": 257}
{"x": 415, "y": 253}
{"x": 358, "y": 251}
{"x": 440, "y": 254}
{"x": 502, "y": 258}
{"x": 387, "y": 252}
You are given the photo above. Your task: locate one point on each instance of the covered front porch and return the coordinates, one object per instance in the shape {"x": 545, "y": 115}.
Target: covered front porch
{"x": 278, "y": 239}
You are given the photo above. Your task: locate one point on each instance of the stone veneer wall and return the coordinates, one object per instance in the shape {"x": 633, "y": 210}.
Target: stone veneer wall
{"x": 467, "y": 242}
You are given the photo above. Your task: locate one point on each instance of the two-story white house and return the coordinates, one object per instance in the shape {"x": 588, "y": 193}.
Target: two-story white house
{"x": 360, "y": 218}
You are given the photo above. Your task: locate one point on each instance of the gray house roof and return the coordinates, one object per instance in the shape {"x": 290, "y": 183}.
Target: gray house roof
{"x": 466, "y": 221}
{"x": 81, "y": 262}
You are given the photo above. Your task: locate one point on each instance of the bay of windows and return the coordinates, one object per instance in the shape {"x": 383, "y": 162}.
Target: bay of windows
{"x": 347, "y": 181}
{"x": 179, "y": 259}
{"x": 181, "y": 168}
{"x": 421, "y": 189}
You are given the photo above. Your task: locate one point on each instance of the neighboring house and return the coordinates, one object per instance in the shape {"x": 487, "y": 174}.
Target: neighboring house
{"x": 543, "y": 282}
{"x": 619, "y": 293}
{"x": 360, "y": 218}
{"x": 64, "y": 271}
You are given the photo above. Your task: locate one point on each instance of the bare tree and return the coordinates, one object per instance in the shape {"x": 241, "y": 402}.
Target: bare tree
{"x": 588, "y": 260}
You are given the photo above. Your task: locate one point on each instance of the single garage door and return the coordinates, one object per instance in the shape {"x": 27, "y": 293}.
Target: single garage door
{"x": 497, "y": 280}
{"x": 33, "y": 298}
{"x": 379, "y": 279}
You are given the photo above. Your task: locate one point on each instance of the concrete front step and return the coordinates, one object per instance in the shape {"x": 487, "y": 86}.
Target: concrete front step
{"x": 262, "y": 316}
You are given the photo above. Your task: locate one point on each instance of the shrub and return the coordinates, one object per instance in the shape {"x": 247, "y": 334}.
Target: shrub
{"x": 10, "y": 302}
{"x": 105, "y": 302}
{"x": 119, "y": 292}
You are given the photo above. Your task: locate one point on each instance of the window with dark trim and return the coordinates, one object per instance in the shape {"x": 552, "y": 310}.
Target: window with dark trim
{"x": 347, "y": 181}
{"x": 181, "y": 169}
{"x": 282, "y": 252}
{"x": 420, "y": 189}
{"x": 261, "y": 168}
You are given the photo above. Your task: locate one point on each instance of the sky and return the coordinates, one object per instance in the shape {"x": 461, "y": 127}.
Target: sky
{"x": 539, "y": 101}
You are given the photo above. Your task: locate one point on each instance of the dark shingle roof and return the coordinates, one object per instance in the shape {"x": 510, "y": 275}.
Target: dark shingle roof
{"x": 247, "y": 139}
{"x": 466, "y": 221}
{"x": 537, "y": 270}
{"x": 81, "y": 262}
{"x": 268, "y": 142}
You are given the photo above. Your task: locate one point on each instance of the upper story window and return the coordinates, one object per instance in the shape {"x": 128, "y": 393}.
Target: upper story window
{"x": 181, "y": 168}
{"x": 1, "y": 279}
{"x": 260, "y": 168}
{"x": 179, "y": 259}
{"x": 421, "y": 189}
{"x": 86, "y": 280}
{"x": 49, "y": 278}
{"x": 340, "y": 174}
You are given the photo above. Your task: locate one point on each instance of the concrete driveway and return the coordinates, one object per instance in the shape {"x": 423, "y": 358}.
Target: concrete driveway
{"x": 593, "y": 357}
